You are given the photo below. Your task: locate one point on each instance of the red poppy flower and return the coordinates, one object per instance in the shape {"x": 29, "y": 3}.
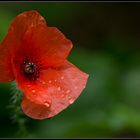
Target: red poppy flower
{"x": 34, "y": 55}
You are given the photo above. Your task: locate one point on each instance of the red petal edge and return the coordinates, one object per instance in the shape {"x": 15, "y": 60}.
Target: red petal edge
{"x": 6, "y": 72}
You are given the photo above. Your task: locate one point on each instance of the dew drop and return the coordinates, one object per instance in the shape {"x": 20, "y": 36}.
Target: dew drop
{"x": 54, "y": 80}
{"x": 62, "y": 95}
{"x": 58, "y": 88}
{"x": 43, "y": 83}
{"x": 33, "y": 90}
{"x": 68, "y": 91}
{"x": 50, "y": 81}
{"x": 28, "y": 85}
{"x": 71, "y": 101}
{"x": 46, "y": 104}
{"x": 62, "y": 77}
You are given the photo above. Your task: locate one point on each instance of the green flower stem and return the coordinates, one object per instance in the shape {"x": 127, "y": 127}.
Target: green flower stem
{"x": 16, "y": 113}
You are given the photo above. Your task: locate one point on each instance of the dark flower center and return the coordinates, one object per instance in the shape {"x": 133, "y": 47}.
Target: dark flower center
{"x": 29, "y": 68}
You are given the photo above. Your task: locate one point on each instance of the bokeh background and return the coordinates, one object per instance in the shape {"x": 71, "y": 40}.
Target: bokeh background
{"x": 106, "y": 39}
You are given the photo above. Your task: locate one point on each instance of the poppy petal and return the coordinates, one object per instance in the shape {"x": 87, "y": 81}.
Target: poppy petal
{"x": 25, "y": 20}
{"x": 18, "y": 28}
{"x": 5, "y": 60}
{"x": 55, "y": 90}
{"x": 33, "y": 110}
{"x": 49, "y": 44}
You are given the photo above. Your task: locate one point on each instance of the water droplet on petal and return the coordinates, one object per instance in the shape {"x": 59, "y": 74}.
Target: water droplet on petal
{"x": 71, "y": 101}
{"x": 54, "y": 80}
{"x": 46, "y": 104}
{"x": 62, "y": 95}
{"x": 62, "y": 77}
{"x": 58, "y": 88}
{"x": 33, "y": 90}
{"x": 76, "y": 87}
{"x": 68, "y": 91}
{"x": 50, "y": 81}
{"x": 43, "y": 83}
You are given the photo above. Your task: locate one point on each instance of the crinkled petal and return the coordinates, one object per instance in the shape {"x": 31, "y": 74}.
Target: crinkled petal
{"x": 55, "y": 90}
{"x": 49, "y": 45}
{"x": 22, "y": 22}
{"x": 18, "y": 27}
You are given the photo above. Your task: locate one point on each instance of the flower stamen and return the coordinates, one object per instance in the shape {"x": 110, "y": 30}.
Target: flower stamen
{"x": 29, "y": 68}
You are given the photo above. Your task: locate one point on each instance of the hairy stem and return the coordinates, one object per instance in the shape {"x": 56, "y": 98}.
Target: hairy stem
{"x": 16, "y": 113}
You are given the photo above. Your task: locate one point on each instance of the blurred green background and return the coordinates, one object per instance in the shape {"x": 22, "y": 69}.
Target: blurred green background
{"x": 106, "y": 39}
